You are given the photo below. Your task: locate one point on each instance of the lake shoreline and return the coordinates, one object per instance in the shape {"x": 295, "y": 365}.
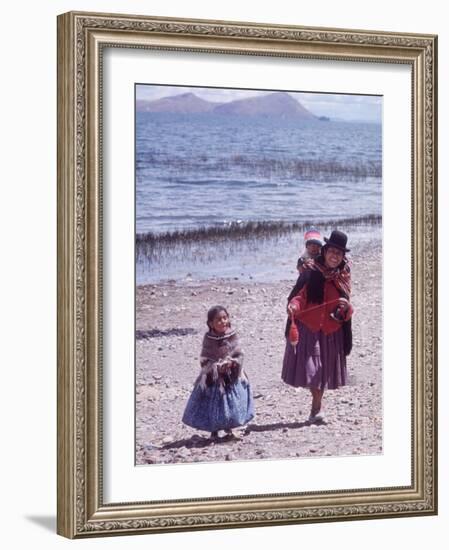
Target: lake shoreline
{"x": 261, "y": 257}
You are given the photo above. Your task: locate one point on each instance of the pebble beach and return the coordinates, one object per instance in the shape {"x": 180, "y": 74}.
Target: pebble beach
{"x": 170, "y": 324}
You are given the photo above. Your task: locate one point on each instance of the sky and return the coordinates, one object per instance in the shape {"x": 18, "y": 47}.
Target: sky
{"x": 350, "y": 107}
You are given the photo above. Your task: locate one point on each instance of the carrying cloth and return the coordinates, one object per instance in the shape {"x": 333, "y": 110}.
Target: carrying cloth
{"x": 321, "y": 285}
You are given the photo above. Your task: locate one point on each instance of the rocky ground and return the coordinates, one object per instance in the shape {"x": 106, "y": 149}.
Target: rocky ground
{"x": 169, "y": 328}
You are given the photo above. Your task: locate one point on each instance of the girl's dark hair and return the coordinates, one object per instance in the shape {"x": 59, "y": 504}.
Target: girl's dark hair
{"x": 213, "y": 312}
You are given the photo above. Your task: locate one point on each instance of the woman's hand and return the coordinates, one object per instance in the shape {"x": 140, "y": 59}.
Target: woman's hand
{"x": 292, "y": 308}
{"x": 343, "y": 312}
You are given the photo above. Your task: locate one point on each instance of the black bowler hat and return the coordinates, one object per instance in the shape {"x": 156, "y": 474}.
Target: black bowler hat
{"x": 338, "y": 239}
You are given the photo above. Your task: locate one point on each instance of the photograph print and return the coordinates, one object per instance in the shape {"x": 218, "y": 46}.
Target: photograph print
{"x": 258, "y": 274}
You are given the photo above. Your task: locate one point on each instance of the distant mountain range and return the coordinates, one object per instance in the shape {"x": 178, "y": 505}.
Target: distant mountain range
{"x": 276, "y": 104}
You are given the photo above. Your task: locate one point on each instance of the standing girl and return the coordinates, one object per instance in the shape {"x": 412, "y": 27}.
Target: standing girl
{"x": 221, "y": 398}
{"x": 320, "y": 327}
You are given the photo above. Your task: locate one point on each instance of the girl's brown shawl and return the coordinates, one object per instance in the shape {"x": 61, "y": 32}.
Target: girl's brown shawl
{"x": 215, "y": 351}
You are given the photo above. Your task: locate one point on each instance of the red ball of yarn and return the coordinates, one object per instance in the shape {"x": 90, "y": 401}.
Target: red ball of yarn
{"x": 293, "y": 334}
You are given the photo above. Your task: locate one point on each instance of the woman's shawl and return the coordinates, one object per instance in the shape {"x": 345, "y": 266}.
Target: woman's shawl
{"x": 341, "y": 277}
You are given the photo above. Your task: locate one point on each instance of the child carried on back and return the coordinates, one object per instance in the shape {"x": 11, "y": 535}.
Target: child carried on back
{"x": 312, "y": 248}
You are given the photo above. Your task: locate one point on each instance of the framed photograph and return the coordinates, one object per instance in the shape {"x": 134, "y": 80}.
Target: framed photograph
{"x": 246, "y": 274}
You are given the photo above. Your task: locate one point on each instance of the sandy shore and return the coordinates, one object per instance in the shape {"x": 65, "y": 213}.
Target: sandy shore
{"x": 170, "y": 325}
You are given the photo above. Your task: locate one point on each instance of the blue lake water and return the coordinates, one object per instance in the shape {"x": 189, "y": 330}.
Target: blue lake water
{"x": 207, "y": 170}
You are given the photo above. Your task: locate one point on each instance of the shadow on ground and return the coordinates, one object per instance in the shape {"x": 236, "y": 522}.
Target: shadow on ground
{"x": 197, "y": 441}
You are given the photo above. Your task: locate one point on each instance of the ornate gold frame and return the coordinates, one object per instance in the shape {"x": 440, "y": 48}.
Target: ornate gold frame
{"x": 81, "y": 37}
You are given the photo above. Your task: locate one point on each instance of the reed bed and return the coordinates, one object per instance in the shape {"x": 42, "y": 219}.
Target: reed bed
{"x": 264, "y": 166}
{"x": 155, "y": 246}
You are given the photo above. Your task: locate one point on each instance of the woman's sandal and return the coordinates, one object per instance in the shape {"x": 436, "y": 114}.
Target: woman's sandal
{"x": 315, "y": 416}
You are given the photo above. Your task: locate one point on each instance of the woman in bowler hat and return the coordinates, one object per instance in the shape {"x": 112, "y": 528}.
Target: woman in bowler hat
{"x": 318, "y": 332}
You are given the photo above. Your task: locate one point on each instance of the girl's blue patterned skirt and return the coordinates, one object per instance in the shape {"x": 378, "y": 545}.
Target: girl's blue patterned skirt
{"x": 211, "y": 410}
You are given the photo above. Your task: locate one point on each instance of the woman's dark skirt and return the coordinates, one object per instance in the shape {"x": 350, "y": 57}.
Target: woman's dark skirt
{"x": 319, "y": 361}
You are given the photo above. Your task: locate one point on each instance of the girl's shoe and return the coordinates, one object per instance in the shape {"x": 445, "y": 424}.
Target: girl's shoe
{"x": 233, "y": 435}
